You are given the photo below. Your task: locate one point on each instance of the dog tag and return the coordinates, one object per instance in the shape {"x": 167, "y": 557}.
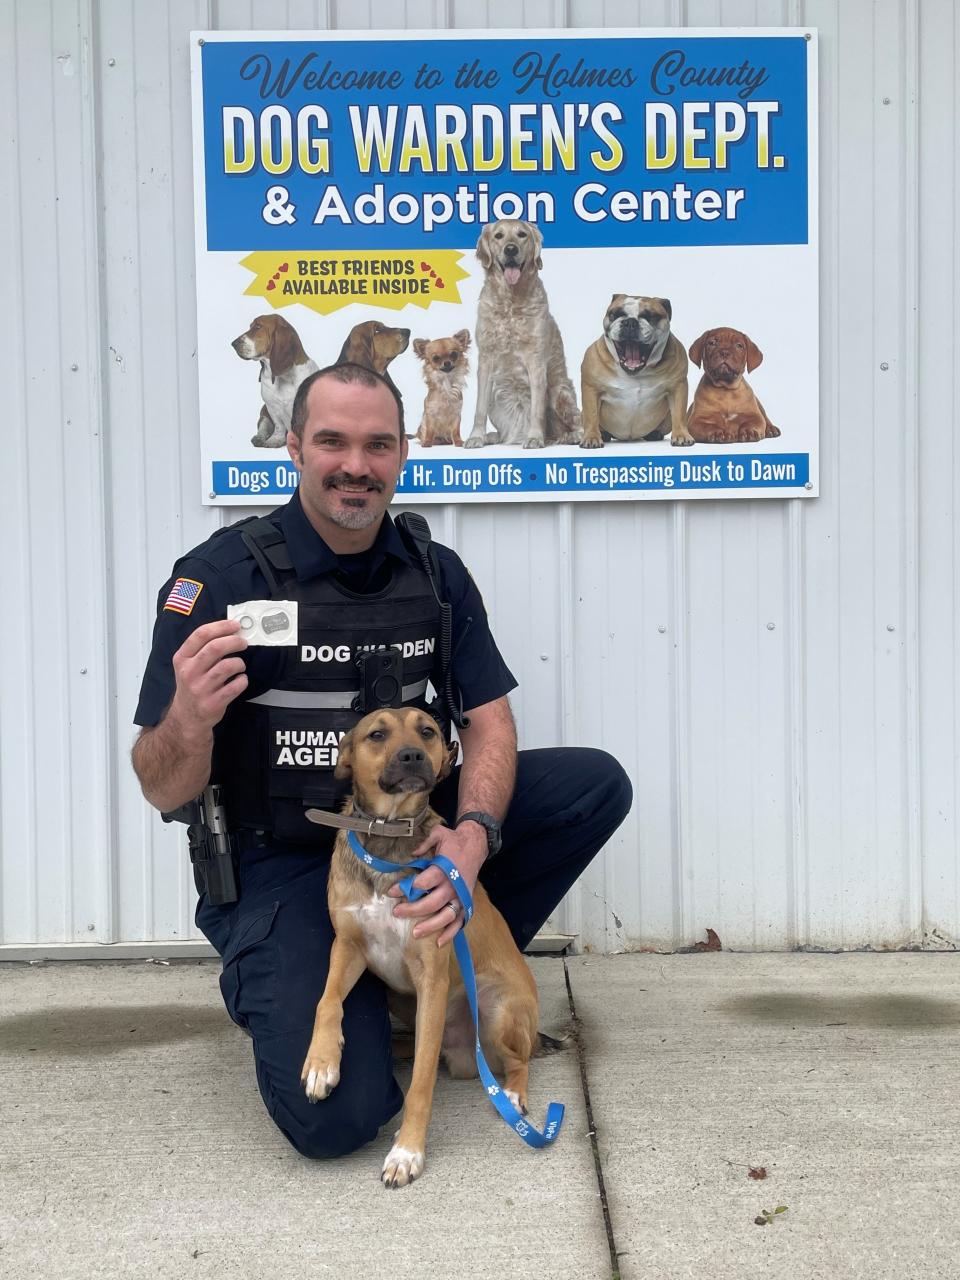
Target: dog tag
{"x": 272, "y": 622}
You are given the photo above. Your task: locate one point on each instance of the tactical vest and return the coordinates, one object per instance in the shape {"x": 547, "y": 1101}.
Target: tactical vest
{"x": 276, "y": 752}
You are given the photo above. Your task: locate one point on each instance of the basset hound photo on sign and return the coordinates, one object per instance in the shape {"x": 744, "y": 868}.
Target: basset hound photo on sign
{"x": 373, "y": 345}
{"x": 283, "y": 366}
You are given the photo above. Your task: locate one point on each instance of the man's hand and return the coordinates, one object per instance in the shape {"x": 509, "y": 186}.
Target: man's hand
{"x": 172, "y": 759}
{"x": 209, "y": 676}
{"x": 466, "y": 847}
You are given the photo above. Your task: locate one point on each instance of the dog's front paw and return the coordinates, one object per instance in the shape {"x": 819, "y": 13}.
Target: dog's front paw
{"x": 320, "y": 1076}
{"x": 519, "y": 1100}
{"x": 401, "y": 1167}
{"x": 772, "y": 432}
{"x": 533, "y": 442}
{"x": 591, "y": 442}
{"x": 682, "y": 439}
{"x": 750, "y": 433}
{"x": 474, "y": 442}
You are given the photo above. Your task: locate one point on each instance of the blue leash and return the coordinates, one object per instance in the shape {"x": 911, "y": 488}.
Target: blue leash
{"x": 509, "y": 1113}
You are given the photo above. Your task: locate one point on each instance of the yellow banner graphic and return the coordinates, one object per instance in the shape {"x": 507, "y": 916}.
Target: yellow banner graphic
{"x": 328, "y": 281}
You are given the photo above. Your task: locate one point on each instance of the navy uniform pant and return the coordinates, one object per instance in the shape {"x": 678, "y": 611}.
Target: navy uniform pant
{"x": 275, "y": 941}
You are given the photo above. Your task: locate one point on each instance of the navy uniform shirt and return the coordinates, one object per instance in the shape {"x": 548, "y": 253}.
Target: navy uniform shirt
{"x": 228, "y": 574}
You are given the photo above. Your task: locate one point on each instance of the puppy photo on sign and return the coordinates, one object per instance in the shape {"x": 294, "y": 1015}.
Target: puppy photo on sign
{"x": 724, "y": 409}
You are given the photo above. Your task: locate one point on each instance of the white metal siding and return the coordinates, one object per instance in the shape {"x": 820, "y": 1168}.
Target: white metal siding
{"x": 780, "y": 679}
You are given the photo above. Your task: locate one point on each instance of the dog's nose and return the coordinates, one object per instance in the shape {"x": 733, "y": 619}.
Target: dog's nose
{"x": 410, "y": 755}
{"x": 511, "y": 251}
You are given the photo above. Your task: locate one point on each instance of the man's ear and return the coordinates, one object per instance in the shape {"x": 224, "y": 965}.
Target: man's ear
{"x": 344, "y": 767}
{"x": 449, "y": 760}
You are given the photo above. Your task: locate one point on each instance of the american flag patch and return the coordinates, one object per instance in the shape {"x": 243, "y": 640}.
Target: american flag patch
{"x": 183, "y": 596}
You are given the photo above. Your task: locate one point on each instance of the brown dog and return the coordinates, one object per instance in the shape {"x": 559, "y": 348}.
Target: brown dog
{"x": 283, "y": 366}
{"x": 724, "y": 408}
{"x": 633, "y": 380}
{"x": 373, "y": 345}
{"x": 395, "y": 757}
{"x": 445, "y": 368}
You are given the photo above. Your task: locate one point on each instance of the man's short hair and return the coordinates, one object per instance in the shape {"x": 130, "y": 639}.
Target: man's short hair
{"x": 347, "y": 374}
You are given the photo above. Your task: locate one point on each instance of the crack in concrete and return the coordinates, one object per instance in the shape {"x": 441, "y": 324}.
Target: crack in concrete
{"x": 585, "y": 1088}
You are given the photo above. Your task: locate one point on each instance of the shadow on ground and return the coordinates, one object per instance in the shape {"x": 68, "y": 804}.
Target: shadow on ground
{"x": 880, "y": 1011}
{"x": 101, "y": 1030}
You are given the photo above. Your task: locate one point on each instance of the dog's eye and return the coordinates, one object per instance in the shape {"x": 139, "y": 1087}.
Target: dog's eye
{"x": 376, "y": 735}
{"x": 427, "y": 732}
{"x": 498, "y": 235}
{"x": 521, "y": 235}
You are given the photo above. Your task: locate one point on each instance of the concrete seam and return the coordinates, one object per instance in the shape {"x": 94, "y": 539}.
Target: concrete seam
{"x": 585, "y": 1088}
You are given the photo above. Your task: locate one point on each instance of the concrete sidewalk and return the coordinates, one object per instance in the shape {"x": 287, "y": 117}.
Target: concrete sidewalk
{"x": 133, "y": 1141}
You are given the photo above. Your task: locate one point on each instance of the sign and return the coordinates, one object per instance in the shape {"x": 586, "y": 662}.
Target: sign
{"x": 587, "y": 259}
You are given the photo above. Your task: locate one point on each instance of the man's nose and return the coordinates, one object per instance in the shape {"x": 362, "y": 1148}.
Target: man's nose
{"x": 355, "y": 462}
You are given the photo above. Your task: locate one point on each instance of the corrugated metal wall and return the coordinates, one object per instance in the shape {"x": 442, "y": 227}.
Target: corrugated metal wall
{"x": 780, "y": 679}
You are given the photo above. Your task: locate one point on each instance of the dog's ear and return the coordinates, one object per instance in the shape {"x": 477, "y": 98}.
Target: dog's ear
{"x": 449, "y": 760}
{"x": 696, "y": 349}
{"x": 665, "y": 303}
{"x": 754, "y": 354}
{"x": 483, "y": 249}
{"x": 537, "y": 244}
{"x": 420, "y": 347}
{"x": 462, "y": 338}
{"x": 283, "y": 352}
{"x": 344, "y": 768}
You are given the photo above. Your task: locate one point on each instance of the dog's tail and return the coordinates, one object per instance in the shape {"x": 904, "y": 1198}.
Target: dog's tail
{"x": 547, "y": 1044}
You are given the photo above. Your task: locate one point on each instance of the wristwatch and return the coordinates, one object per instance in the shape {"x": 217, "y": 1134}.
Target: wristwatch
{"x": 490, "y": 825}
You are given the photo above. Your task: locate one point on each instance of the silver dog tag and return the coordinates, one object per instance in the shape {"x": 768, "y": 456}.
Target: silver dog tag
{"x": 272, "y": 622}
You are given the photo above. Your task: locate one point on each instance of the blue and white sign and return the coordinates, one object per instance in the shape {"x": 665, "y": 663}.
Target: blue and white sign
{"x": 658, "y": 190}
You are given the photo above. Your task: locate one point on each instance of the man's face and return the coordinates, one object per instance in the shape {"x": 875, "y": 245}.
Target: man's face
{"x": 350, "y": 459}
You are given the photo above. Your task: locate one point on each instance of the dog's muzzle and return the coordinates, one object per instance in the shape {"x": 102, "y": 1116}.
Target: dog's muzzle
{"x": 633, "y": 354}
{"x": 725, "y": 372}
{"x": 409, "y": 770}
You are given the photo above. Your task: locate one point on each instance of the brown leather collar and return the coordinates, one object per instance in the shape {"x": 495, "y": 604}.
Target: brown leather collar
{"x": 369, "y": 825}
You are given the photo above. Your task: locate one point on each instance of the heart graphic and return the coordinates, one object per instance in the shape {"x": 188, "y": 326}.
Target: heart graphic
{"x": 276, "y": 275}
{"x": 424, "y": 266}
{"x": 270, "y": 285}
{"x": 439, "y": 283}
{"x": 284, "y": 266}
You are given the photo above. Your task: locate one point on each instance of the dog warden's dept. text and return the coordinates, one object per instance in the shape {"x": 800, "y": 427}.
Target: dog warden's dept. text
{"x": 649, "y": 199}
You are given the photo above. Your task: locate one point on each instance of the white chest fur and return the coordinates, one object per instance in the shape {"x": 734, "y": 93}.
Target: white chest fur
{"x": 385, "y": 940}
